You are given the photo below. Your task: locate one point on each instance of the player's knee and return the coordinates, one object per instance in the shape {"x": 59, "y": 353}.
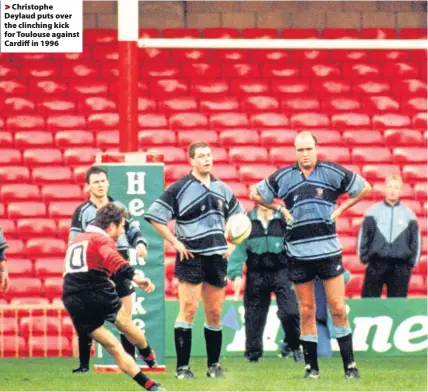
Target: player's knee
{"x": 307, "y": 311}
{"x": 189, "y": 312}
{"x": 113, "y": 347}
{"x": 213, "y": 317}
{"x": 338, "y": 308}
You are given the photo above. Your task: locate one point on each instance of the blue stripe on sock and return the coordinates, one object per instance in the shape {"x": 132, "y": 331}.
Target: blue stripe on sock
{"x": 309, "y": 338}
{"x": 340, "y": 332}
{"x": 183, "y": 324}
{"x": 211, "y": 328}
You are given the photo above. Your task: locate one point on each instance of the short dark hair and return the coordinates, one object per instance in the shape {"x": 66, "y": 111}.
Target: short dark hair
{"x": 194, "y": 146}
{"x": 110, "y": 213}
{"x": 94, "y": 170}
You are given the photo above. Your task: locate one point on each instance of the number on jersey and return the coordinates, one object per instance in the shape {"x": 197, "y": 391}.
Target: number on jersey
{"x": 75, "y": 259}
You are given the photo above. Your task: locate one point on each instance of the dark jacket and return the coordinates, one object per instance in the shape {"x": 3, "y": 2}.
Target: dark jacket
{"x": 390, "y": 234}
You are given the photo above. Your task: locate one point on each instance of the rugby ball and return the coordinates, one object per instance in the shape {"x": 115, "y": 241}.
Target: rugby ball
{"x": 238, "y": 228}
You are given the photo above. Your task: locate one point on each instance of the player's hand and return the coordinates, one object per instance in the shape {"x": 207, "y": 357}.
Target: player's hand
{"x": 230, "y": 249}
{"x": 144, "y": 283}
{"x": 4, "y": 281}
{"x": 141, "y": 250}
{"x": 237, "y": 286}
{"x": 335, "y": 215}
{"x": 287, "y": 216}
{"x": 181, "y": 249}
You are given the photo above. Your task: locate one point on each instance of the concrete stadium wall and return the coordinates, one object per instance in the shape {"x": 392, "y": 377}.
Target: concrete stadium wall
{"x": 272, "y": 14}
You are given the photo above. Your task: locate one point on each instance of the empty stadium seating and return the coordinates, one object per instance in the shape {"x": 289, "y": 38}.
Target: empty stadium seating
{"x": 367, "y": 109}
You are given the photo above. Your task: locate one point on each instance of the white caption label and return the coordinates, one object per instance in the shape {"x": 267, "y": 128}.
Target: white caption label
{"x": 41, "y": 26}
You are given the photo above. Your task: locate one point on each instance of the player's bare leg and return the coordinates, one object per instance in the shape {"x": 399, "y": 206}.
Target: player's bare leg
{"x": 335, "y": 293}
{"x": 125, "y": 362}
{"x": 189, "y": 296}
{"x": 305, "y": 294}
{"x": 134, "y": 335}
{"x": 213, "y": 298}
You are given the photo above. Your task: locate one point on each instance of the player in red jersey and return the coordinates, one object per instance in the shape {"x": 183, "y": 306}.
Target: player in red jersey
{"x": 90, "y": 297}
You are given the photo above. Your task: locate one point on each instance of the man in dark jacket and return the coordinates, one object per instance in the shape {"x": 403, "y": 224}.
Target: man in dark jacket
{"x": 267, "y": 273}
{"x": 389, "y": 241}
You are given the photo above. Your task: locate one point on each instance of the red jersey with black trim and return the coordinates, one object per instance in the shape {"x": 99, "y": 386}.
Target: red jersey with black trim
{"x": 91, "y": 258}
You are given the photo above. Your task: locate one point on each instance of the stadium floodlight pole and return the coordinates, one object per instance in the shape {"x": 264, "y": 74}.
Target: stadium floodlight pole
{"x": 128, "y": 75}
{"x": 261, "y": 43}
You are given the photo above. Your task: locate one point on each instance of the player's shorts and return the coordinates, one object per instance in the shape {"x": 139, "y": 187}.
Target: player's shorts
{"x": 90, "y": 309}
{"x": 302, "y": 271}
{"x": 209, "y": 269}
{"x": 123, "y": 287}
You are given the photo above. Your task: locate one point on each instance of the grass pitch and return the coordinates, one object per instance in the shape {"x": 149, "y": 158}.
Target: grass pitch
{"x": 271, "y": 374}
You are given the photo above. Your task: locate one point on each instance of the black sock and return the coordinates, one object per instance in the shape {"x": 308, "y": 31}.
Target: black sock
{"x": 145, "y": 352}
{"x": 292, "y": 334}
{"x": 127, "y": 345}
{"x": 311, "y": 354}
{"x": 183, "y": 345}
{"x": 346, "y": 350}
{"x": 85, "y": 343}
{"x": 143, "y": 380}
{"x": 213, "y": 341}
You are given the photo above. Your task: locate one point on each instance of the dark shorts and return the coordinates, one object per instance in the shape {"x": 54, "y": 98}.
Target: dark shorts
{"x": 209, "y": 269}
{"x": 305, "y": 271}
{"x": 90, "y": 309}
{"x": 123, "y": 287}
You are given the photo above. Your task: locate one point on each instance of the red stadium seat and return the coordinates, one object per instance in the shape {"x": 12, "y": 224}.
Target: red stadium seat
{"x": 314, "y": 56}
{"x": 9, "y": 328}
{"x": 9, "y": 174}
{"x": 25, "y": 287}
{"x": 421, "y": 267}
{"x": 355, "y": 286}
{"x": 371, "y": 155}
{"x": 399, "y": 70}
{"x": 221, "y": 32}
{"x": 420, "y": 121}
{"x": 165, "y": 88}
{"x": 268, "y": 119}
{"x": 390, "y": 120}
{"x": 190, "y": 55}
{"x": 25, "y": 122}
{"x": 420, "y": 190}
{"x": 80, "y": 156}
{"x": 413, "y": 33}
{"x": 253, "y": 173}
{"x": 175, "y": 172}
{"x": 103, "y": 121}
{"x": 171, "y": 154}
{"x": 350, "y": 120}
{"x": 48, "y": 88}
{"x": 403, "y": 137}
{"x": 10, "y": 157}
{"x": 66, "y": 121}
{"x": 353, "y": 264}
{"x": 415, "y": 172}
{"x": 248, "y": 87}
{"x": 238, "y": 137}
{"x": 343, "y": 226}
{"x": 280, "y": 71}
{"x": 8, "y": 71}
{"x": 14, "y": 192}
{"x": 80, "y": 70}
{"x": 333, "y": 87}
{"x": 414, "y": 104}
{"x": 39, "y": 325}
{"x": 208, "y": 88}
{"x": 225, "y": 172}
{"x": 26, "y": 209}
{"x": 372, "y": 87}
{"x": 277, "y": 137}
{"x": 14, "y": 346}
{"x": 65, "y": 139}
{"x": 300, "y": 104}
{"x": 36, "y": 227}
{"x": 180, "y": 33}
{"x": 107, "y": 139}
{"x": 46, "y": 247}
{"x": 16, "y": 248}
{"x": 260, "y": 103}
{"x": 379, "y": 56}
{"x": 159, "y": 70}
{"x": 61, "y": 209}
{"x": 17, "y": 105}
{"x": 188, "y": 120}
{"x": 64, "y": 228}
{"x": 265, "y": 56}
{"x": 201, "y": 69}
{"x": 6, "y": 139}
{"x": 264, "y": 33}
{"x": 47, "y": 175}
{"x": 410, "y": 88}
{"x": 300, "y": 33}
{"x": 248, "y": 154}
{"x": 63, "y": 192}
{"x": 9, "y": 87}
{"x": 8, "y": 226}
{"x": 409, "y": 155}
{"x": 239, "y": 189}
{"x": 378, "y": 33}
{"x": 228, "y": 120}
{"x": 309, "y": 120}
{"x": 380, "y": 103}
{"x": 42, "y": 157}
{"x": 360, "y": 71}
{"x": 80, "y": 88}
{"x": 20, "y": 268}
{"x": 38, "y": 69}
{"x": 320, "y": 71}
{"x": 361, "y": 137}
{"x": 359, "y": 209}
{"x": 33, "y": 139}
{"x": 335, "y": 33}
{"x": 185, "y": 138}
{"x": 334, "y": 154}
{"x": 179, "y": 104}
{"x": 282, "y": 155}
{"x": 224, "y": 104}
{"x": 99, "y": 36}
{"x": 97, "y": 104}
{"x": 414, "y": 205}
{"x": 52, "y": 105}
{"x": 105, "y": 53}
{"x": 240, "y": 70}
{"x": 378, "y": 172}
{"x": 156, "y": 137}
{"x": 152, "y": 121}
{"x": 348, "y": 244}
{"x": 231, "y": 55}
{"x": 48, "y": 268}
{"x": 67, "y": 327}
{"x": 417, "y": 285}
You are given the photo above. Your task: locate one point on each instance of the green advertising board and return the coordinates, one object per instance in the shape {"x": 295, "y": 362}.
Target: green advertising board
{"x": 380, "y": 327}
{"x": 137, "y": 187}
